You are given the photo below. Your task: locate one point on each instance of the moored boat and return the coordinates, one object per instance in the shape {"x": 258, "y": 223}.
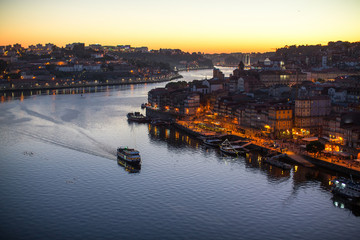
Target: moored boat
{"x": 346, "y": 188}
{"x": 129, "y": 155}
{"x": 229, "y": 149}
{"x": 137, "y": 117}
{"x": 213, "y": 142}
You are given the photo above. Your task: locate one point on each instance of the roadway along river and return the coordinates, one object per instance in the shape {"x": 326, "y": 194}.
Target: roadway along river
{"x": 60, "y": 179}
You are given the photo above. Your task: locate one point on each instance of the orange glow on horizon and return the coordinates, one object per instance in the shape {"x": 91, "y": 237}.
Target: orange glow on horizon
{"x": 193, "y": 26}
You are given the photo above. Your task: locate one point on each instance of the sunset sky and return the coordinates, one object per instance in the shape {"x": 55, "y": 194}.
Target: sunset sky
{"x": 192, "y": 25}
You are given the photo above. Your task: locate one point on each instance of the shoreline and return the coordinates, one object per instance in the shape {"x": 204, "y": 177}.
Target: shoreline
{"x": 113, "y": 83}
{"x": 43, "y": 88}
{"x": 302, "y": 159}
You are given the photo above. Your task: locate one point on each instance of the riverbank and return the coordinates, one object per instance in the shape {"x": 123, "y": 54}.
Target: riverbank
{"x": 303, "y": 158}
{"x": 115, "y": 82}
{"x": 193, "y": 69}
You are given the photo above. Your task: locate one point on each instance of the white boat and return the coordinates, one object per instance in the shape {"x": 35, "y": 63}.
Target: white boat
{"x": 346, "y": 188}
{"x": 129, "y": 155}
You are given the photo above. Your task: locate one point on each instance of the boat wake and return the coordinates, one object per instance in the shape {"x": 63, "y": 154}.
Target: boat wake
{"x": 103, "y": 152}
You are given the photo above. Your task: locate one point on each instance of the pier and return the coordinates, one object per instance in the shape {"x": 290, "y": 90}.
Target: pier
{"x": 299, "y": 159}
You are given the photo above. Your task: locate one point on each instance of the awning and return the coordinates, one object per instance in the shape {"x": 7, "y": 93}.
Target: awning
{"x": 310, "y": 139}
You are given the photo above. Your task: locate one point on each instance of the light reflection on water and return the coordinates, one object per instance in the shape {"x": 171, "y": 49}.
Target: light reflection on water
{"x": 60, "y": 179}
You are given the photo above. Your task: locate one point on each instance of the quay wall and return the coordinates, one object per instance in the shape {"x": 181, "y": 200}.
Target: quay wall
{"x": 307, "y": 160}
{"x": 188, "y": 131}
{"x": 333, "y": 166}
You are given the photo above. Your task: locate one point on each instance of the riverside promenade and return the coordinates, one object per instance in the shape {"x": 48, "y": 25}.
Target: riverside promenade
{"x": 292, "y": 151}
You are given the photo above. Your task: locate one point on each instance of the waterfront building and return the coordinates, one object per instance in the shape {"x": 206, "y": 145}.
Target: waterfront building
{"x": 342, "y": 134}
{"x": 158, "y": 98}
{"x": 191, "y": 104}
{"x": 280, "y": 120}
{"x": 180, "y": 102}
{"x": 254, "y": 116}
{"x": 310, "y": 111}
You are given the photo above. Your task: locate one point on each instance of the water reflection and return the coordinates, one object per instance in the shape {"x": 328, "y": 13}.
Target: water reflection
{"x": 11, "y": 95}
{"x": 301, "y": 177}
{"x": 174, "y": 137}
{"x": 130, "y": 168}
{"x": 343, "y": 203}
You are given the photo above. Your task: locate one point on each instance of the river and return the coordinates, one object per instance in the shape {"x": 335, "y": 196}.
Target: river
{"x": 60, "y": 178}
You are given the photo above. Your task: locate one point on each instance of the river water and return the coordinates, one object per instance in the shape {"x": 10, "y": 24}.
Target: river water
{"x": 60, "y": 178}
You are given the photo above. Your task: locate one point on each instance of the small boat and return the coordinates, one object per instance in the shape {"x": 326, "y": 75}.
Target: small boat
{"x": 213, "y": 142}
{"x": 137, "y": 117}
{"x": 346, "y": 188}
{"x": 277, "y": 163}
{"x": 129, "y": 155}
{"x": 233, "y": 150}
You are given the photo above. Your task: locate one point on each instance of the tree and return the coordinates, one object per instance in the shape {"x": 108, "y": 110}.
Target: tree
{"x": 315, "y": 147}
{"x": 177, "y": 85}
{"x": 3, "y": 65}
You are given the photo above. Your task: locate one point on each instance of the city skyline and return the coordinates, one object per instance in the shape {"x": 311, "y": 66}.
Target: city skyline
{"x": 205, "y": 26}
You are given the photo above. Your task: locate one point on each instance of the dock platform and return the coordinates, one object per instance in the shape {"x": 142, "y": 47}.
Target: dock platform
{"x": 299, "y": 159}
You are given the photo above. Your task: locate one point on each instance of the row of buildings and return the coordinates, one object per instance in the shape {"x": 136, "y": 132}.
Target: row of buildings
{"x": 248, "y": 101}
{"x": 47, "y": 66}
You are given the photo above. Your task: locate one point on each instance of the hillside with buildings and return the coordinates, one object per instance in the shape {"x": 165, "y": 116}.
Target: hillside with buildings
{"x": 49, "y": 66}
{"x": 275, "y": 104}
